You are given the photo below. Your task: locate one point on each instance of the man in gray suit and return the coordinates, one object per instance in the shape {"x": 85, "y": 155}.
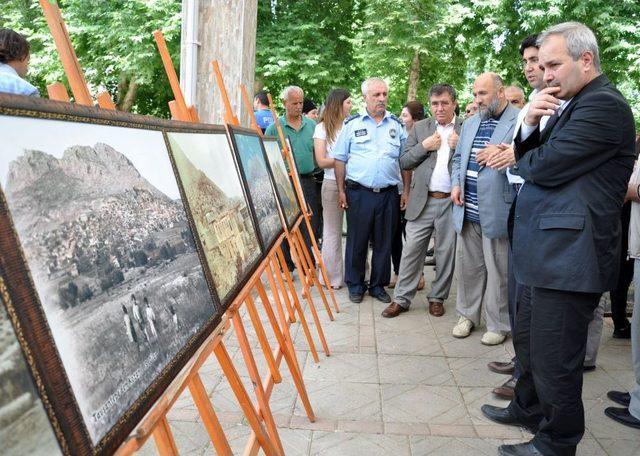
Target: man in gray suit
{"x": 428, "y": 153}
{"x": 482, "y": 197}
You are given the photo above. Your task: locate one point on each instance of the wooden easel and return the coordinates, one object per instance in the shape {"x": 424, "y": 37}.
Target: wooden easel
{"x": 72, "y": 69}
{"x": 155, "y": 423}
{"x": 311, "y": 277}
{"x": 272, "y": 269}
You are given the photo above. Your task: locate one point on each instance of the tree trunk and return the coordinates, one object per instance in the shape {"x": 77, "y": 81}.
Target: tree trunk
{"x": 227, "y": 33}
{"x": 121, "y": 91}
{"x": 130, "y": 97}
{"x": 414, "y": 77}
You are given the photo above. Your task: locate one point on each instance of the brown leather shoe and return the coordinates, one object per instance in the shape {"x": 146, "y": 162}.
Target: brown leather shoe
{"x": 393, "y": 310}
{"x": 506, "y": 390}
{"x": 502, "y": 368}
{"x": 436, "y": 308}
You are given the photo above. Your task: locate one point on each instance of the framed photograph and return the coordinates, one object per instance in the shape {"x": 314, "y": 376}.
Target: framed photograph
{"x": 283, "y": 184}
{"x": 24, "y": 424}
{"x": 258, "y": 182}
{"x": 100, "y": 264}
{"x": 219, "y": 207}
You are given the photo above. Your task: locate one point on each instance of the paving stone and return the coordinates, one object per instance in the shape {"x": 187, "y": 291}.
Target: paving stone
{"x": 356, "y": 367}
{"x": 423, "y": 404}
{"x": 358, "y": 444}
{"x": 455, "y": 446}
{"x": 343, "y": 400}
{"x": 415, "y": 370}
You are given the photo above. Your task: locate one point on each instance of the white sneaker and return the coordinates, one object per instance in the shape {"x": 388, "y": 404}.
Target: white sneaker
{"x": 462, "y": 328}
{"x": 491, "y": 338}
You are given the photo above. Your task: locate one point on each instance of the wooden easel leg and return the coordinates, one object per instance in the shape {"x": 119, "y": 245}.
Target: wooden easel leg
{"x": 209, "y": 417}
{"x": 303, "y": 321}
{"x": 263, "y": 402}
{"x": 314, "y": 312}
{"x": 243, "y": 398}
{"x": 323, "y": 270}
{"x": 288, "y": 352}
{"x": 273, "y": 259}
{"x": 262, "y": 338}
{"x": 312, "y": 273}
{"x": 164, "y": 438}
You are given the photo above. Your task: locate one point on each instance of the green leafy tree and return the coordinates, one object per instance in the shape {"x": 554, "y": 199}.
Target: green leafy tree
{"x": 309, "y": 44}
{"x": 114, "y": 44}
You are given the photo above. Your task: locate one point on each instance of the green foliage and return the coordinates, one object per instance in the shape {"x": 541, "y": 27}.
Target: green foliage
{"x": 309, "y": 44}
{"x": 114, "y": 44}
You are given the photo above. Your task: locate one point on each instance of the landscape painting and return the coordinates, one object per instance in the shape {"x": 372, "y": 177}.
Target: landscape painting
{"x": 218, "y": 206}
{"x": 98, "y": 214}
{"x": 24, "y": 425}
{"x": 256, "y": 175}
{"x": 283, "y": 184}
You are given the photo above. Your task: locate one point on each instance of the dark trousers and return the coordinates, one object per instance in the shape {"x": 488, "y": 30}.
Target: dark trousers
{"x": 370, "y": 216}
{"x": 550, "y": 343}
{"x": 619, "y": 295}
{"x": 515, "y": 293}
{"x": 396, "y": 245}
{"x": 308, "y": 184}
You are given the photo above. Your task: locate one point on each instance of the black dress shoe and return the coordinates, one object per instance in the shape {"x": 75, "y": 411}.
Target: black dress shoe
{"x": 588, "y": 368}
{"x": 620, "y": 397}
{"x": 520, "y": 449}
{"x": 622, "y": 333}
{"x": 622, "y": 416}
{"x": 503, "y": 416}
{"x": 381, "y": 296}
{"x": 356, "y": 297}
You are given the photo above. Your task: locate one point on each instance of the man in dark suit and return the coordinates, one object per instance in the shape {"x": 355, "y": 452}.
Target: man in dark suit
{"x": 428, "y": 152}
{"x": 566, "y": 234}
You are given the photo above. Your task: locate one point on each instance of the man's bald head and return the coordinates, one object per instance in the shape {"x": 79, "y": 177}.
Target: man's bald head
{"x": 515, "y": 96}
{"x": 488, "y": 94}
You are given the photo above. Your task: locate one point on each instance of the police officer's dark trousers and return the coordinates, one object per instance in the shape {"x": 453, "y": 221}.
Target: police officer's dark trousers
{"x": 371, "y": 215}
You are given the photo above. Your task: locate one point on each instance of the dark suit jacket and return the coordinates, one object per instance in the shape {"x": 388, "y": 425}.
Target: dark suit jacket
{"x": 422, "y": 162}
{"x": 566, "y": 233}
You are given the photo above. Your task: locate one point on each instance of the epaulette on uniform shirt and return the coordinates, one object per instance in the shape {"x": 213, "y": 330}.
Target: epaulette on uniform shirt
{"x": 394, "y": 117}
{"x": 350, "y": 118}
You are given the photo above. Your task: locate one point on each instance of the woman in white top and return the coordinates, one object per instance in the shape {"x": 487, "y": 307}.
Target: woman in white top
{"x": 337, "y": 107}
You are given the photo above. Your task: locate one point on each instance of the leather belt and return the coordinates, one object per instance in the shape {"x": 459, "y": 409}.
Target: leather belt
{"x": 439, "y": 195}
{"x": 355, "y": 186}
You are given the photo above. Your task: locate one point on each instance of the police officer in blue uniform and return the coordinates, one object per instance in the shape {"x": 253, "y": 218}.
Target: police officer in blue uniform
{"x": 367, "y": 173}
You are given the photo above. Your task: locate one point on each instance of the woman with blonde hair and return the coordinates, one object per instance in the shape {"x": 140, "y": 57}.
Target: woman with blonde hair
{"x": 337, "y": 107}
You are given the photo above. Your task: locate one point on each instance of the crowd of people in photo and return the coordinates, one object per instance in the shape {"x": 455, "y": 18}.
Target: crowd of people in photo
{"x": 532, "y": 201}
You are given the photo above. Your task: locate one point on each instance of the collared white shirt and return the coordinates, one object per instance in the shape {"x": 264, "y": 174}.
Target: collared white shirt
{"x": 441, "y": 179}
{"x": 522, "y": 127}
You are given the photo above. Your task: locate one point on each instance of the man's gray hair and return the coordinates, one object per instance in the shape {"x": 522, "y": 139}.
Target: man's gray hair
{"x": 579, "y": 38}
{"x": 367, "y": 82}
{"x": 284, "y": 95}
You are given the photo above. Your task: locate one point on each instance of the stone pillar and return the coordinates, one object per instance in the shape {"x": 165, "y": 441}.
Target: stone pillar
{"x": 227, "y": 33}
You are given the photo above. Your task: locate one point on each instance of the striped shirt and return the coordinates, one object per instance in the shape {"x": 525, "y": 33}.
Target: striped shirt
{"x": 481, "y": 140}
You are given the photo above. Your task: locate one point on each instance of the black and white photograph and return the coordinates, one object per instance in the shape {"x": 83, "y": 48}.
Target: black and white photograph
{"x": 24, "y": 425}
{"x": 218, "y": 206}
{"x": 98, "y": 214}
{"x": 256, "y": 175}
{"x": 283, "y": 184}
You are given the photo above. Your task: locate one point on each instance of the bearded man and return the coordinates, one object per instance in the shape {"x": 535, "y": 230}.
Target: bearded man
{"x": 482, "y": 197}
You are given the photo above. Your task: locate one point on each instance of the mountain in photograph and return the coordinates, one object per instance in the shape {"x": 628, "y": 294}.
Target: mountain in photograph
{"x": 91, "y": 214}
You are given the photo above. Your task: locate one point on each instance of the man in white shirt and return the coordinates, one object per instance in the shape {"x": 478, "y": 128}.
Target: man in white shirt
{"x": 430, "y": 146}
